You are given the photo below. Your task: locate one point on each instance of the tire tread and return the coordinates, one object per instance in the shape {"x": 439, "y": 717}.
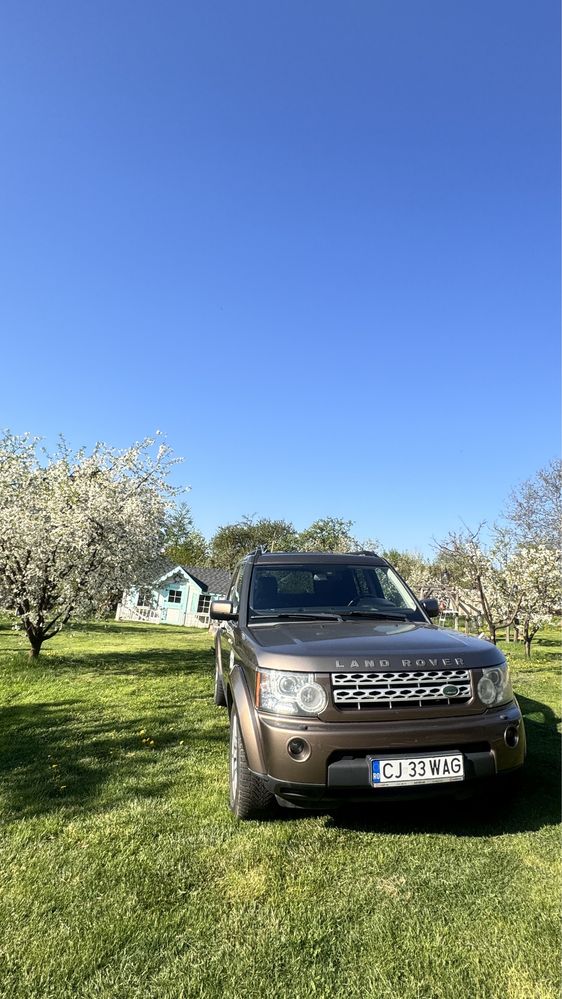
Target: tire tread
{"x": 254, "y": 800}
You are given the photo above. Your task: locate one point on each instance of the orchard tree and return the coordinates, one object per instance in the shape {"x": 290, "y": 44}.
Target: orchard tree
{"x": 328, "y": 534}
{"x": 183, "y": 543}
{"x": 77, "y": 526}
{"x": 232, "y": 541}
{"x": 535, "y": 574}
{"x": 484, "y": 571}
{"x": 534, "y": 509}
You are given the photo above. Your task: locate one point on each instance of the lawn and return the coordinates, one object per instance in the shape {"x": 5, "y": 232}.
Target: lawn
{"x": 123, "y": 874}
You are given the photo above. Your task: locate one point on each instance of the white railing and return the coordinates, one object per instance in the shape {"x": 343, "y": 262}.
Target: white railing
{"x": 152, "y": 615}
{"x": 450, "y": 616}
{"x": 197, "y": 620}
{"x": 125, "y": 612}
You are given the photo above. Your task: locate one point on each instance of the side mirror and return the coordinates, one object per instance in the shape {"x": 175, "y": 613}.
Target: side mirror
{"x": 222, "y": 610}
{"x": 431, "y": 607}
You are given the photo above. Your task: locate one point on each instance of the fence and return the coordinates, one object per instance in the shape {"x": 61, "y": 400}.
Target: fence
{"x": 153, "y": 615}
{"x": 125, "y": 612}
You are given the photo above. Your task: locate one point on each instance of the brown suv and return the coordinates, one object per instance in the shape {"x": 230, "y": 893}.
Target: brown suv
{"x": 339, "y": 687}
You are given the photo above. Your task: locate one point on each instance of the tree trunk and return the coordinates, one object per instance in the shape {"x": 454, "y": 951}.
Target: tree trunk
{"x": 493, "y": 633}
{"x": 36, "y": 641}
{"x": 528, "y": 647}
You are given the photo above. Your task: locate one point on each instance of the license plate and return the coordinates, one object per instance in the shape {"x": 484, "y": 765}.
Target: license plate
{"x": 403, "y": 771}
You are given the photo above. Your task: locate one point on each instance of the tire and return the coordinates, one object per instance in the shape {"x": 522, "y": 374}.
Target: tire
{"x": 219, "y": 696}
{"x": 249, "y": 797}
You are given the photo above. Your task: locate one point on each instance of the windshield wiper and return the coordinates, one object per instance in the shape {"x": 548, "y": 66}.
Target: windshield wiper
{"x": 377, "y": 615}
{"x": 296, "y": 616}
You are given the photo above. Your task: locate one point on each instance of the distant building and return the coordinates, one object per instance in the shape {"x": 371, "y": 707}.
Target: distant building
{"x": 182, "y": 595}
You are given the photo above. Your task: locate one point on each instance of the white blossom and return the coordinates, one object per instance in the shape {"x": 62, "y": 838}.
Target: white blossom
{"x": 514, "y": 583}
{"x": 77, "y": 526}
{"x": 535, "y": 573}
{"x": 482, "y": 574}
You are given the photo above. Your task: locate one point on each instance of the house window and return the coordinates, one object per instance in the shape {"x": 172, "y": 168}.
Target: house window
{"x": 144, "y": 598}
{"x": 204, "y": 603}
{"x": 174, "y": 596}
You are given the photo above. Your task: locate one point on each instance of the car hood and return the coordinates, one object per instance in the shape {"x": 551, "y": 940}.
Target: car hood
{"x": 367, "y": 645}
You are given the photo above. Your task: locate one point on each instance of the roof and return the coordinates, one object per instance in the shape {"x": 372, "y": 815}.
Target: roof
{"x": 319, "y": 558}
{"x": 160, "y": 568}
{"x": 211, "y": 580}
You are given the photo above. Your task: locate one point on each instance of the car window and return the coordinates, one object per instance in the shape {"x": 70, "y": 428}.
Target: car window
{"x": 328, "y": 588}
{"x": 235, "y": 587}
{"x": 392, "y": 590}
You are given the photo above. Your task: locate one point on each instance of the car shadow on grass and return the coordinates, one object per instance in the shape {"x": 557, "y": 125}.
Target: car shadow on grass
{"x": 534, "y": 803}
{"x": 57, "y": 755}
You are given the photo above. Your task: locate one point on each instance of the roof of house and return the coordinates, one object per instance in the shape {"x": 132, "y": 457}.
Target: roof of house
{"x": 215, "y": 581}
{"x": 212, "y": 580}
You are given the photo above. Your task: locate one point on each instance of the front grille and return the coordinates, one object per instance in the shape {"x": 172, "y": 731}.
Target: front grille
{"x": 352, "y": 691}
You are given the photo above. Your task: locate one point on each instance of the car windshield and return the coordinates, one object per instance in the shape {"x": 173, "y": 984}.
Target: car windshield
{"x": 354, "y": 591}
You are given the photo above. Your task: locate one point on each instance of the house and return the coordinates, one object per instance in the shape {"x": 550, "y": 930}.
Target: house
{"x": 182, "y": 595}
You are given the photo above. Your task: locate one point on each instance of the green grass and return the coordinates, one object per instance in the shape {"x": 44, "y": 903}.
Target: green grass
{"x": 123, "y": 874}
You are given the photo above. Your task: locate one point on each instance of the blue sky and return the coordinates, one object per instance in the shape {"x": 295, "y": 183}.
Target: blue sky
{"x": 317, "y": 244}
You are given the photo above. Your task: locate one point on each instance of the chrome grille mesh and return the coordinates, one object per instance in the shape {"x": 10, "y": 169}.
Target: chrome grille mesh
{"x": 393, "y": 689}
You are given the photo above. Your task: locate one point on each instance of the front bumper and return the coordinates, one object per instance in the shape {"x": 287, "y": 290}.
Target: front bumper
{"x": 334, "y": 764}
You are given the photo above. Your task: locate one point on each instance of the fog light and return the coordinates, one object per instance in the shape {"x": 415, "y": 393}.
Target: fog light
{"x": 298, "y": 749}
{"x": 511, "y": 736}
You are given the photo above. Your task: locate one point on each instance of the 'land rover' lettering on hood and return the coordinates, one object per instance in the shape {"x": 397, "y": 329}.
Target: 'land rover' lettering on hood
{"x": 385, "y": 663}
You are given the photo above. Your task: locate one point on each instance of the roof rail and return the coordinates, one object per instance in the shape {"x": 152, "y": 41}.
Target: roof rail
{"x": 365, "y": 551}
{"x": 258, "y": 550}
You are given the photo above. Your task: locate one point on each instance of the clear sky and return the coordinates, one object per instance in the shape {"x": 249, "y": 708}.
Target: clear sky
{"x": 315, "y": 243}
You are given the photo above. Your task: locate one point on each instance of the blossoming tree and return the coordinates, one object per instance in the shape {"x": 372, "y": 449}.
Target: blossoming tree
{"x": 534, "y": 509}
{"x": 515, "y": 583}
{"x": 535, "y": 574}
{"x": 76, "y": 526}
{"x": 484, "y": 572}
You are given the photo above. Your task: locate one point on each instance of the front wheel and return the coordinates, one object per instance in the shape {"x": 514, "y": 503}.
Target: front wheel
{"x": 249, "y": 797}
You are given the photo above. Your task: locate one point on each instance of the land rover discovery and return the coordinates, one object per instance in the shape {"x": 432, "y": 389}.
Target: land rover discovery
{"x": 339, "y": 687}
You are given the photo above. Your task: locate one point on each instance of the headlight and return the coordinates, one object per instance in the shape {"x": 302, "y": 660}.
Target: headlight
{"x": 289, "y": 693}
{"x": 494, "y": 686}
